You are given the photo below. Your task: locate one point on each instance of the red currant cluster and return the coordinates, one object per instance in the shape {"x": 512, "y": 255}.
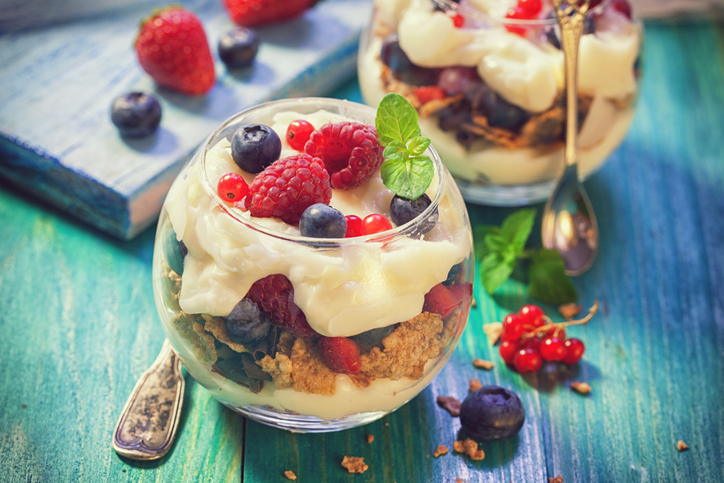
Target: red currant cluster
{"x": 529, "y": 338}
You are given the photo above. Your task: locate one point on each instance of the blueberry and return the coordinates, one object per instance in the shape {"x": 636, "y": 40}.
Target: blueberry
{"x": 322, "y": 221}
{"x": 254, "y": 147}
{"x": 136, "y": 114}
{"x": 402, "y": 67}
{"x": 451, "y": 117}
{"x": 175, "y": 251}
{"x": 373, "y": 337}
{"x": 492, "y": 413}
{"x": 453, "y": 274}
{"x": 238, "y": 48}
{"x": 403, "y": 211}
{"x": 247, "y": 324}
{"x": 499, "y": 112}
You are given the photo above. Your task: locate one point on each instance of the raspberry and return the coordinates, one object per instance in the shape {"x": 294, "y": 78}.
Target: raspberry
{"x": 287, "y": 187}
{"x": 350, "y": 151}
{"x": 275, "y": 297}
{"x": 340, "y": 354}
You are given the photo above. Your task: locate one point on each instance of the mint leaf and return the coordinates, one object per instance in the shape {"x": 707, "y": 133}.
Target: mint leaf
{"x": 548, "y": 280}
{"x": 396, "y": 120}
{"x": 394, "y": 149}
{"x": 418, "y": 145}
{"x": 495, "y": 270}
{"x": 409, "y": 177}
{"x": 481, "y": 232}
{"x": 516, "y": 228}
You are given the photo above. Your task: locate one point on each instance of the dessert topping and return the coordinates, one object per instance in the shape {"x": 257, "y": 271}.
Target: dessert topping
{"x": 341, "y": 354}
{"x": 254, "y": 147}
{"x": 288, "y": 187}
{"x": 275, "y": 297}
{"x": 322, "y": 221}
{"x": 232, "y": 188}
{"x": 375, "y": 223}
{"x": 246, "y": 324}
{"x": 354, "y": 226}
{"x": 298, "y": 134}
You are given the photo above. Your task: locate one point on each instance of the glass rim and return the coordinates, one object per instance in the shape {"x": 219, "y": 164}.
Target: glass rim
{"x": 468, "y": 11}
{"x": 387, "y": 237}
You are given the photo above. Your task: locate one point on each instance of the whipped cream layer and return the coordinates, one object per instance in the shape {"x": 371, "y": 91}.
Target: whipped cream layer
{"x": 343, "y": 291}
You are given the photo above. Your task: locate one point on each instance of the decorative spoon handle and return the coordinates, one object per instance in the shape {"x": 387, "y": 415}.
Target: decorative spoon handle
{"x": 148, "y": 422}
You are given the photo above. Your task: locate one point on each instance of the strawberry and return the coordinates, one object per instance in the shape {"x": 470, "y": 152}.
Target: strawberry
{"x": 441, "y": 300}
{"x": 248, "y": 13}
{"x": 340, "y": 354}
{"x": 172, "y": 48}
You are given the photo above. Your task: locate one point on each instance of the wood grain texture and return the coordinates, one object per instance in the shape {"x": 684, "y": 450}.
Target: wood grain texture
{"x": 56, "y": 137}
{"x": 79, "y": 326}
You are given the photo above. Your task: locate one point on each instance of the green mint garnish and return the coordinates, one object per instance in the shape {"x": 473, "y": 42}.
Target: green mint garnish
{"x": 405, "y": 171}
{"x": 500, "y": 249}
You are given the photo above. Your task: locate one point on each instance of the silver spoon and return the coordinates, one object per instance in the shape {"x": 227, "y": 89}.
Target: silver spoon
{"x": 569, "y": 224}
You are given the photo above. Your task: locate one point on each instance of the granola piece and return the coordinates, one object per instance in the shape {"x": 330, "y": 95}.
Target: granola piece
{"x": 354, "y": 464}
{"x": 475, "y": 385}
{"x": 361, "y": 380}
{"x": 431, "y": 107}
{"x": 406, "y": 349}
{"x": 459, "y": 480}
{"x": 473, "y": 302}
{"x": 309, "y": 372}
{"x": 285, "y": 343}
{"x": 398, "y": 87}
{"x": 557, "y": 479}
{"x": 440, "y": 450}
{"x": 545, "y": 128}
{"x": 493, "y": 331}
{"x": 569, "y": 311}
{"x": 450, "y": 323}
{"x": 470, "y": 447}
{"x": 217, "y": 326}
{"x": 496, "y": 135}
{"x": 190, "y": 328}
{"x": 290, "y": 475}
{"x": 681, "y": 446}
{"x": 483, "y": 364}
{"x": 172, "y": 286}
{"x": 450, "y": 404}
{"x": 581, "y": 387}
{"x": 279, "y": 368}
{"x": 370, "y": 438}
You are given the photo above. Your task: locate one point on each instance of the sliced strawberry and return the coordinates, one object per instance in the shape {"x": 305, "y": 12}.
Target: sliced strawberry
{"x": 340, "y": 354}
{"x": 441, "y": 300}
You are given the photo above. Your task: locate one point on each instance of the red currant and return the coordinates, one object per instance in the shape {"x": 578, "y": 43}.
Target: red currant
{"x": 512, "y": 327}
{"x": 531, "y": 343}
{"x": 354, "y": 226}
{"x": 508, "y": 350}
{"x": 517, "y": 13}
{"x": 528, "y": 360}
{"x": 232, "y": 188}
{"x": 533, "y": 7}
{"x": 623, "y": 6}
{"x": 552, "y": 349}
{"x": 458, "y": 20}
{"x": 298, "y": 134}
{"x": 375, "y": 223}
{"x": 574, "y": 351}
{"x": 532, "y": 316}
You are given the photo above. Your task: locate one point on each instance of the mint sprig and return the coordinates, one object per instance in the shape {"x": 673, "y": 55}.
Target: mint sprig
{"x": 406, "y": 171}
{"x": 501, "y": 249}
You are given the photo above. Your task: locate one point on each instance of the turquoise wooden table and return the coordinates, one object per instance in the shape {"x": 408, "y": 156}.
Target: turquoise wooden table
{"x": 79, "y": 326}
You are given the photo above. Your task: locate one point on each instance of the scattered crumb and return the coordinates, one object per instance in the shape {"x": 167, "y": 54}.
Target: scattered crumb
{"x": 370, "y": 438}
{"x": 473, "y": 303}
{"x": 581, "y": 387}
{"x": 569, "y": 310}
{"x": 469, "y": 447}
{"x": 450, "y": 404}
{"x": 440, "y": 450}
{"x": 493, "y": 330}
{"x": 354, "y": 464}
{"x": 459, "y": 480}
{"x": 290, "y": 475}
{"x": 24, "y": 406}
{"x": 681, "y": 446}
{"x": 557, "y": 479}
{"x": 483, "y": 364}
{"x": 475, "y": 385}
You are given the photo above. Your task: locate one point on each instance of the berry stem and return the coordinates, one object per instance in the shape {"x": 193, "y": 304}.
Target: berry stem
{"x": 560, "y": 325}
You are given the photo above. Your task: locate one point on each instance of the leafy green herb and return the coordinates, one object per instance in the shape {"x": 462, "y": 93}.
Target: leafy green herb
{"x": 406, "y": 170}
{"x": 500, "y": 249}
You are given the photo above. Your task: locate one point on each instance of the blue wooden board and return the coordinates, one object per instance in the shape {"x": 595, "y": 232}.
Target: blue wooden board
{"x": 57, "y": 140}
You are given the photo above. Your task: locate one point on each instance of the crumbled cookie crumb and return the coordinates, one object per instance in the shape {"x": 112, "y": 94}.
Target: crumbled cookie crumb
{"x": 279, "y": 368}
{"x": 681, "y": 446}
{"x": 473, "y": 303}
{"x": 581, "y": 387}
{"x": 370, "y": 438}
{"x": 440, "y": 450}
{"x": 493, "y": 330}
{"x": 354, "y": 464}
{"x": 290, "y": 475}
{"x": 450, "y": 404}
{"x": 475, "y": 385}
{"x": 470, "y": 447}
{"x": 569, "y": 311}
{"x": 459, "y": 480}
{"x": 483, "y": 364}
{"x": 309, "y": 372}
{"x": 557, "y": 479}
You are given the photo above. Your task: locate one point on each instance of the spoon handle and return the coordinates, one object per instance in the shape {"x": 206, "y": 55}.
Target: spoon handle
{"x": 148, "y": 422}
{"x": 571, "y": 18}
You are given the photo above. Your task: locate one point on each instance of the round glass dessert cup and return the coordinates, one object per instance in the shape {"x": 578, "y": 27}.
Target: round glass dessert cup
{"x": 402, "y": 296}
{"x": 490, "y": 89}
